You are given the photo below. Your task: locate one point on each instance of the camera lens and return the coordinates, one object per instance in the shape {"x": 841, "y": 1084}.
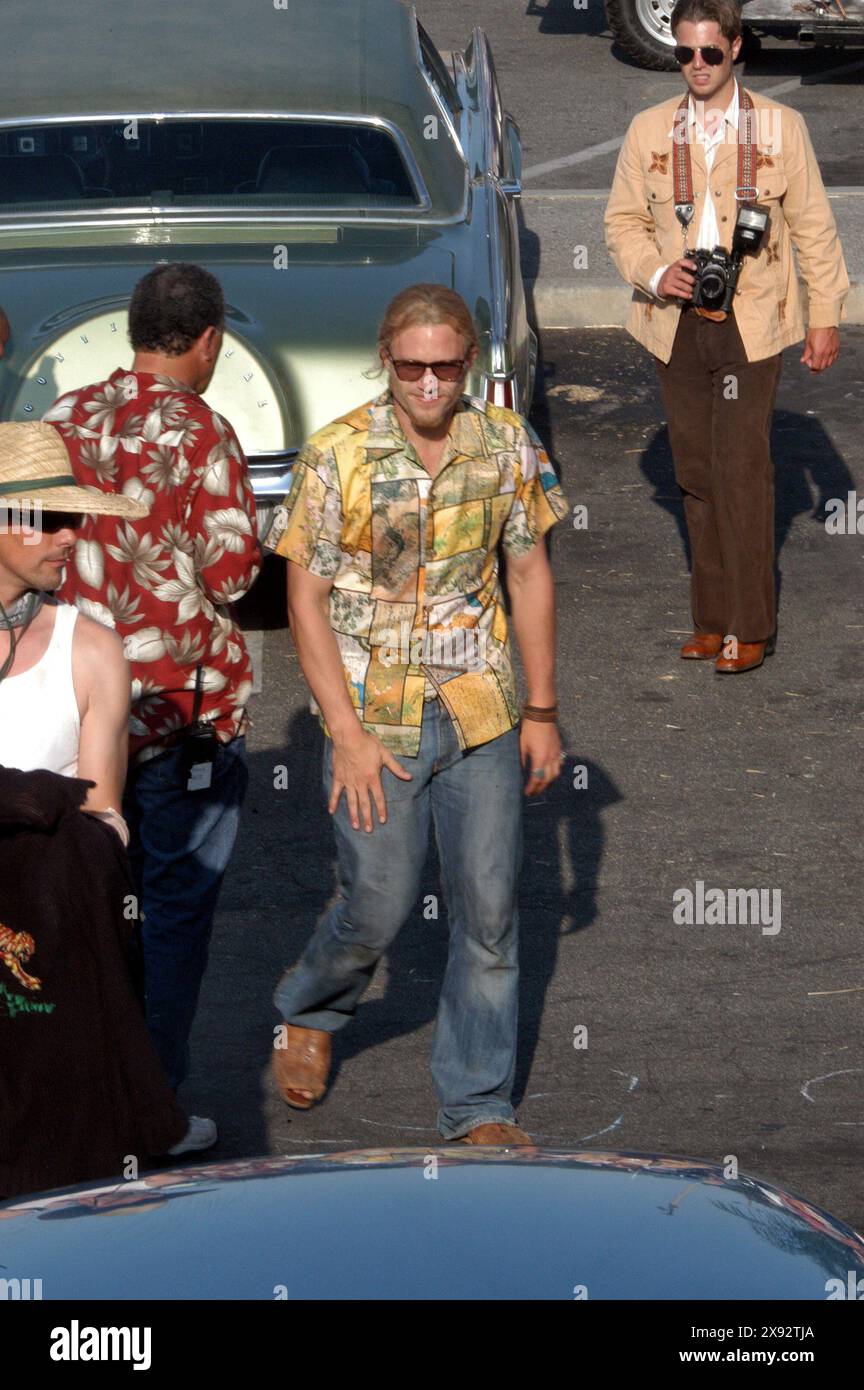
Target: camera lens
{"x": 713, "y": 288}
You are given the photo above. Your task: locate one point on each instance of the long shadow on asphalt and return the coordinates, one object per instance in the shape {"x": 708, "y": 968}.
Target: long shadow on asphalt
{"x": 805, "y": 461}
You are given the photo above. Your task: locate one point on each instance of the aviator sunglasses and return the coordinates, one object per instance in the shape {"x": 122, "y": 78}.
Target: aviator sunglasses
{"x": 408, "y": 370}
{"x": 711, "y": 55}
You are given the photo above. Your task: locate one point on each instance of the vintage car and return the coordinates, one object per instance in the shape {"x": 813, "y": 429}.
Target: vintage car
{"x": 641, "y": 27}
{"x": 444, "y": 1223}
{"x": 317, "y": 157}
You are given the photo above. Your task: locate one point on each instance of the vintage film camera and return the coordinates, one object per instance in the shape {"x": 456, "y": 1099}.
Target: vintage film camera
{"x": 717, "y": 271}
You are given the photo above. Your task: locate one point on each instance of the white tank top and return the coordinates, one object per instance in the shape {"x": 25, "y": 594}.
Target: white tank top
{"x": 40, "y": 726}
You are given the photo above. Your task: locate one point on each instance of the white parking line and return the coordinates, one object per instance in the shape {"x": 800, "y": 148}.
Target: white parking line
{"x": 592, "y": 152}
{"x": 607, "y": 146}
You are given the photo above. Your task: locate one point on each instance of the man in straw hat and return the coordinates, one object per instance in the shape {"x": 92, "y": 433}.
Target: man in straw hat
{"x": 64, "y": 701}
{"x": 64, "y": 681}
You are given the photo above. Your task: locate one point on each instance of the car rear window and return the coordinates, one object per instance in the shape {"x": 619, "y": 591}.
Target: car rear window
{"x": 230, "y": 163}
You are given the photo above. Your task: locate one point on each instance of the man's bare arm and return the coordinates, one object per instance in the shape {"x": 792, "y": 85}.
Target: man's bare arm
{"x": 532, "y": 605}
{"x": 357, "y": 756}
{"x": 101, "y": 673}
{"x": 532, "y": 602}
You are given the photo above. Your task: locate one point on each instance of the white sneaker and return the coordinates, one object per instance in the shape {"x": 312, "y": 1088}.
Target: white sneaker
{"x": 201, "y": 1134}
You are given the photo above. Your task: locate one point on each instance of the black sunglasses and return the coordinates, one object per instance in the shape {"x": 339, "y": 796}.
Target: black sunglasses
{"x": 52, "y": 522}
{"x": 712, "y": 55}
{"x": 408, "y": 370}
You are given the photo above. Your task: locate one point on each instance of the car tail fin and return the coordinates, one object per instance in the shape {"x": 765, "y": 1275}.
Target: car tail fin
{"x": 500, "y": 391}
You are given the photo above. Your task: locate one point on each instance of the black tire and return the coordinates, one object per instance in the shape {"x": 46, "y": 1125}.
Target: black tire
{"x": 635, "y": 40}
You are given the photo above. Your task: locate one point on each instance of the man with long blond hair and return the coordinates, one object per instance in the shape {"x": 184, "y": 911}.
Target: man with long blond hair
{"x": 391, "y": 531}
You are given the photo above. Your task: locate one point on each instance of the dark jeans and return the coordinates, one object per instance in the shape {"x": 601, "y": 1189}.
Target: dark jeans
{"x": 474, "y": 800}
{"x": 718, "y": 410}
{"x": 180, "y": 846}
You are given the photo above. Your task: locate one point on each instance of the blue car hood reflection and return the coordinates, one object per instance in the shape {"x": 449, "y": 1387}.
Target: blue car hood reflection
{"x": 432, "y": 1224}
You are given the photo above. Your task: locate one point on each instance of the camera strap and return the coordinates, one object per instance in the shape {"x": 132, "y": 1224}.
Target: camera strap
{"x": 682, "y": 167}
{"x": 199, "y": 745}
{"x": 199, "y": 696}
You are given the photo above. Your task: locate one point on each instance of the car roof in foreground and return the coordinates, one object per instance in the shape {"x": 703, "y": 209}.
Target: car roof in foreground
{"x": 442, "y": 1223}
{"x": 352, "y": 56}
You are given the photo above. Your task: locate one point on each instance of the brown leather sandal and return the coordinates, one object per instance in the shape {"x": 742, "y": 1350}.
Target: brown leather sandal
{"x": 503, "y": 1135}
{"x": 301, "y": 1062}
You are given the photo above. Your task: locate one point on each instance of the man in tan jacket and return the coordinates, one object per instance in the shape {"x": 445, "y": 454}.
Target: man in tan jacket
{"x": 718, "y": 369}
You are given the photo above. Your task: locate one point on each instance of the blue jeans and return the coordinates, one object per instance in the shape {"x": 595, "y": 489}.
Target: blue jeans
{"x": 180, "y": 846}
{"x": 475, "y": 802}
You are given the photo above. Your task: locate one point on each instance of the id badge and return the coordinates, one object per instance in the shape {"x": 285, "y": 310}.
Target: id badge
{"x": 199, "y": 752}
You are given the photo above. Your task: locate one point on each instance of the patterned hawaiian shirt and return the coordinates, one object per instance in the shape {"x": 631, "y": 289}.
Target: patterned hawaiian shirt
{"x": 164, "y": 582}
{"x": 416, "y": 603}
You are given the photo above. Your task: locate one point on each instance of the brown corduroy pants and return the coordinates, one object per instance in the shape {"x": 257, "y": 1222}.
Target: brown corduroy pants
{"x": 718, "y": 412}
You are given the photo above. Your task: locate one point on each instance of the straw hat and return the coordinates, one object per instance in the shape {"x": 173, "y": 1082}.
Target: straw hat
{"x": 35, "y": 471}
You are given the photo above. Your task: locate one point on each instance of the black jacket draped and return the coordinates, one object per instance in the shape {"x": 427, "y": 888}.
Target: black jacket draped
{"x": 82, "y": 1093}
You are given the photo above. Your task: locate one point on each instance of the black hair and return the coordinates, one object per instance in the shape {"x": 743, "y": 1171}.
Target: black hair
{"x": 172, "y": 306}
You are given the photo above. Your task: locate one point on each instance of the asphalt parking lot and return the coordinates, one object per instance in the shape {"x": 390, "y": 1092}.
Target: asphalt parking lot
{"x": 638, "y": 1031}
{"x": 712, "y": 1040}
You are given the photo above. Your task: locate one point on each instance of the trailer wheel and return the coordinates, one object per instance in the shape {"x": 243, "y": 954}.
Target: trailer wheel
{"x": 641, "y": 30}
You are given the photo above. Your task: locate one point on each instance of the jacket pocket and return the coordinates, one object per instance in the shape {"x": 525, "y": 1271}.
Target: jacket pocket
{"x": 771, "y": 193}
{"x": 660, "y": 200}
{"x": 659, "y": 193}
{"x": 772, "y": 185}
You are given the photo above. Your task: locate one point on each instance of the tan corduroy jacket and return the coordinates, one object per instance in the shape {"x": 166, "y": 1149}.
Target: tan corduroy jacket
{"x": 643, "y": 233}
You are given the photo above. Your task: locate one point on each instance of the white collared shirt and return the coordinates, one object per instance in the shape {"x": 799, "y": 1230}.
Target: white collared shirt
{"x": 708, "y": 235}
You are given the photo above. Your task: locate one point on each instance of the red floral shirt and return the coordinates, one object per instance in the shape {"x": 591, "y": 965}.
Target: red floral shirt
{"x": 164, "y": 582}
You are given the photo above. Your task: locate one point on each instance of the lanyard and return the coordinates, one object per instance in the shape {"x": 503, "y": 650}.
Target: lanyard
{"x": 34, "y": 603}
{"x": 682, "y": 167}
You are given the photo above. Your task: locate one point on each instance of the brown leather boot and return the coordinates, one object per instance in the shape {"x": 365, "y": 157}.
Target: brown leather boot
{"x": 301, "y": 1065}
{"x": 702, "y": 646}
{"x": 748, "y": 655}
{"x": 502, "y": 1135}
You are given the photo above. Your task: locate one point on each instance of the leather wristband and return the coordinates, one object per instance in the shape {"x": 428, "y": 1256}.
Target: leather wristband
{"x": 541, "y": 714}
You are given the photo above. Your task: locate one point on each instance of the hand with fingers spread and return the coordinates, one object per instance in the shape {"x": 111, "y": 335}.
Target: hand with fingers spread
{"x": 357, "y": 762}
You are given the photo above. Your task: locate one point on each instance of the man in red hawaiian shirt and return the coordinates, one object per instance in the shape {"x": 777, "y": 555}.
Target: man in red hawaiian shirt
{"x": 164, "y": 584}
